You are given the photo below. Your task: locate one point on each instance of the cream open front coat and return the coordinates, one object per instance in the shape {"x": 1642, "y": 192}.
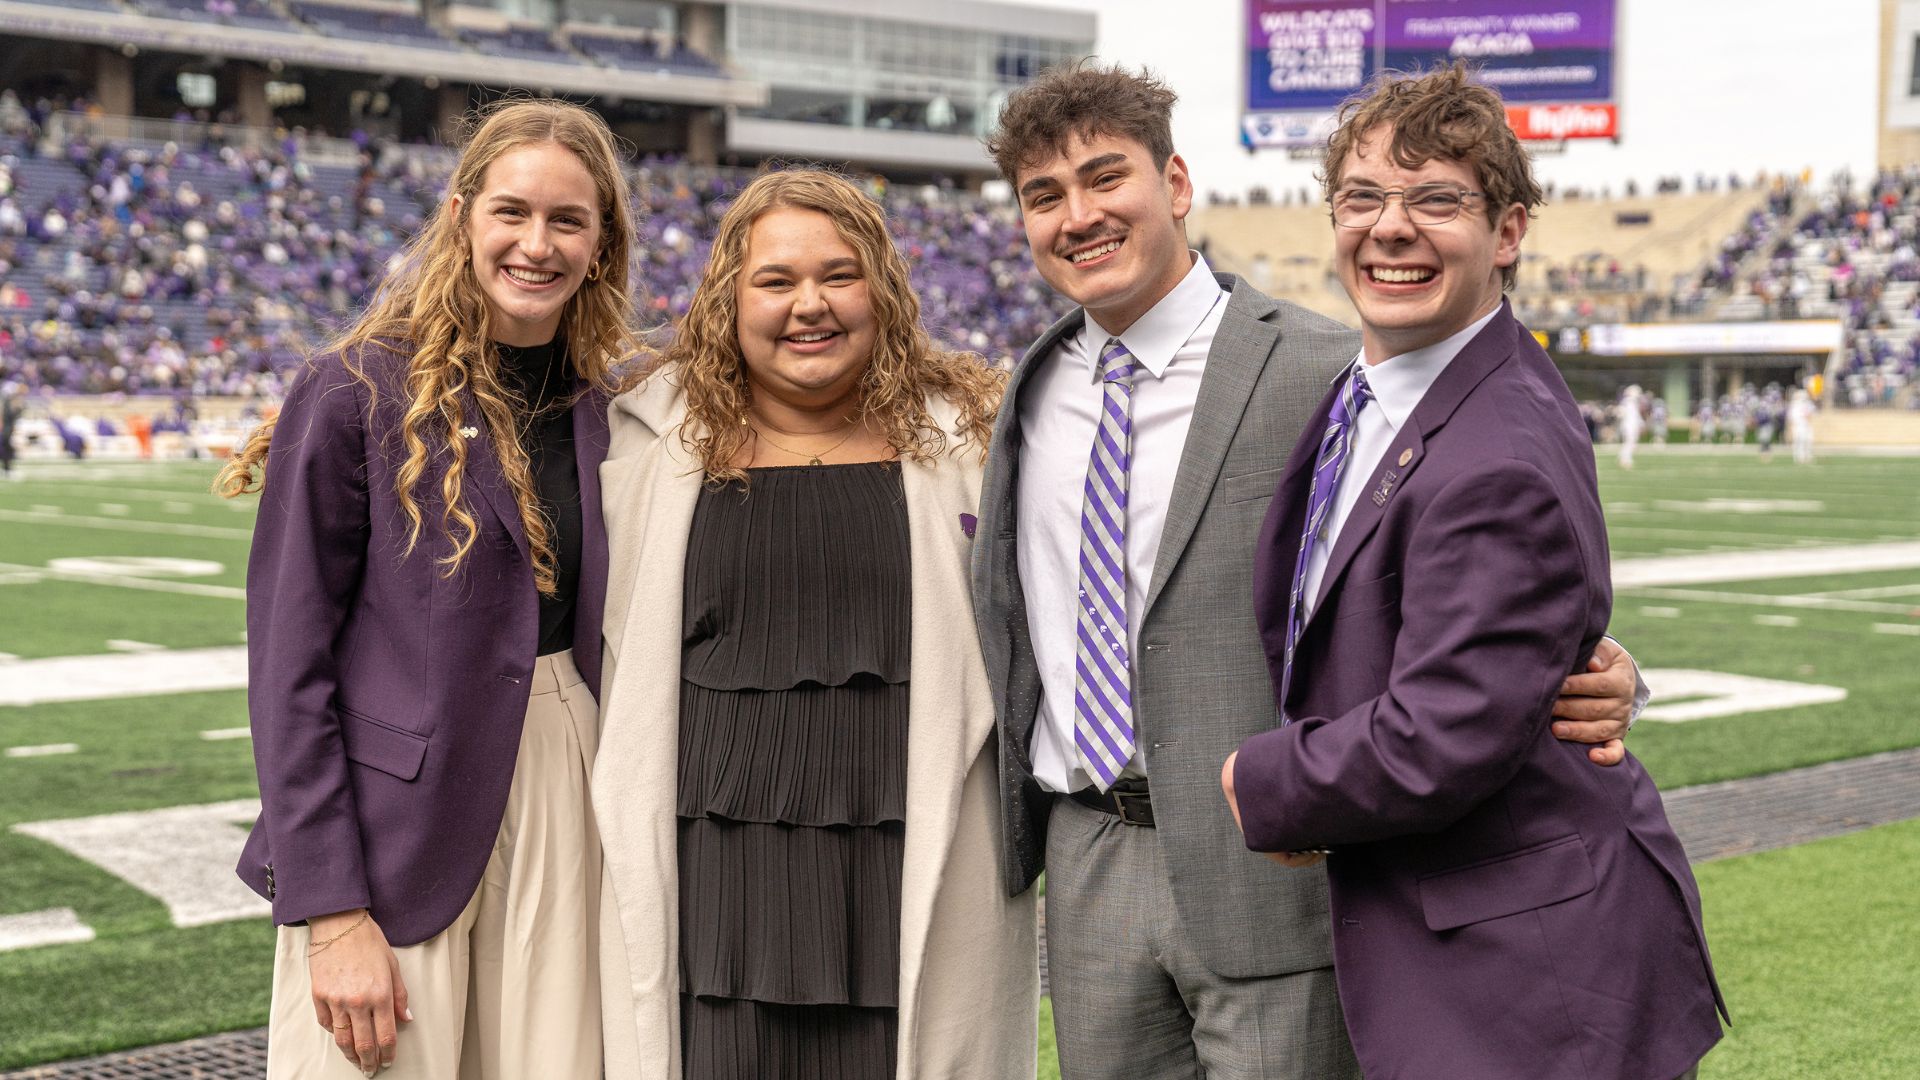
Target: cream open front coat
{"x": 969, "y": 981}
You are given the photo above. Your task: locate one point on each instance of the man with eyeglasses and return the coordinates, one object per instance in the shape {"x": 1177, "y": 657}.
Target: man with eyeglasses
{"x": 1433, "y": 565}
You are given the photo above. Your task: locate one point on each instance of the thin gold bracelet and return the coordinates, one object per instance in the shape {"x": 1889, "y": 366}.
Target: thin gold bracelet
{"x": 316, "y": 950}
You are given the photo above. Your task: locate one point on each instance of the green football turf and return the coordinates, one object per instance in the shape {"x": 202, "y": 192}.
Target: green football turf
{"x": 144, "y": 980}
{"x": 1816, "y": 955}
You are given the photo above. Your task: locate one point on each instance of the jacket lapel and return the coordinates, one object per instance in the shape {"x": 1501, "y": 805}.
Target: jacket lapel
{"x": 1241, "y": 347}
{"x": 485, "y": 474}
{"x": 1488, "y": 350}
{"x": 590, "y": 449}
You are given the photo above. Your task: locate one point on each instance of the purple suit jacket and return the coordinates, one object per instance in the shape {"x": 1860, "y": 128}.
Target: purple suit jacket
{"x": 1501, "y": 907}
{"x": 386, "y": 699}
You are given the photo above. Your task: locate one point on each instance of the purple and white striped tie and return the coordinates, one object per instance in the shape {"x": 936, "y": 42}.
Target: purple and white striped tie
{"x": 1334, "y": 447}
{"x": 1103, "y": 682}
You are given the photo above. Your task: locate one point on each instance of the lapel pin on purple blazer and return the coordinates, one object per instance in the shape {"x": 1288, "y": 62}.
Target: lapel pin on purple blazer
{"x": 968, "y": 523}
{"x": 1386, "y": 487}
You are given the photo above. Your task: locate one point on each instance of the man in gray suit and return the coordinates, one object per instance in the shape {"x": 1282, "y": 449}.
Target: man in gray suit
{"x": 1139, "y": 444}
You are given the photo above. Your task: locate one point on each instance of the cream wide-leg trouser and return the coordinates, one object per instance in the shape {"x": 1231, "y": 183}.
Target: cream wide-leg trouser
{"x": 510, "y": 991}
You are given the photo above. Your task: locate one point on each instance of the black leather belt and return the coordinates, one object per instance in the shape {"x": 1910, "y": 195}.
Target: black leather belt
{"x": 1127, "y": 800}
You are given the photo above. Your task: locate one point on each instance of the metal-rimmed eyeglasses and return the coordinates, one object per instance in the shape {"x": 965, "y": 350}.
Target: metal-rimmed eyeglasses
{"x": 1426, "y": 204}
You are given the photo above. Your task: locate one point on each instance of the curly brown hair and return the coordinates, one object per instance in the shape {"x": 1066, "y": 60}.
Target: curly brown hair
{"x": 1440, "y": 113}
{"x": 906, "y": 366}
{"x": 433, "y": 302}
{"x": 1084, "y": 99}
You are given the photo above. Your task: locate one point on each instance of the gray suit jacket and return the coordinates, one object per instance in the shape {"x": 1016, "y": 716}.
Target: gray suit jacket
{"x": 1200, "y": 683}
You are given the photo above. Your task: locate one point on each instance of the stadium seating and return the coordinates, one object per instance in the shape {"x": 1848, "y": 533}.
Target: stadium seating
{"x": 146, "y": 267}
{"x": 226, "y": 12}
{"x": 636, "y": 54}
{"x": 518, "y": 43}
{"x": 399, "y": 26}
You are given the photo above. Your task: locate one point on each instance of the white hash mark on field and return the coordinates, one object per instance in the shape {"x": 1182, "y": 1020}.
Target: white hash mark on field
{"x": 1717, "y": 693}
{"x": 146, "y": 566}
{"x": 187, "y": 588}
{"x": 1660, "y": 612}
{"x": 94, "y": 678}
{"x": 182, "y": 856}
{"x": 1906, "y": 629}
{"x": 53, "y": 926}
{"x": 124, "y": 645}
{"x": 48, "y": 750}
{"x": 218, "y": 734}
{"x": 1756, "y": 565}
{"x": 47, "y": 511}
{"x": 1776, "y": 620}
{"x": 115, "y": 509}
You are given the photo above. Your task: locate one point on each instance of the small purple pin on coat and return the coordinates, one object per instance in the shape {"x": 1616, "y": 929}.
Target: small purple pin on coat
{"x": 968, "y": 523}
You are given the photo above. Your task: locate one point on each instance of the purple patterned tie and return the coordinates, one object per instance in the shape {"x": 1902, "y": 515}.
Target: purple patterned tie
{"x": 1102, "y": 685}
{"x": 1334, "y": 447}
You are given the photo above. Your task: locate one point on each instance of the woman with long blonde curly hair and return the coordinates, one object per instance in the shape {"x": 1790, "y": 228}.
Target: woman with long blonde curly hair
{"x": 424, "y": 609}
{"x": 794, "y": 785}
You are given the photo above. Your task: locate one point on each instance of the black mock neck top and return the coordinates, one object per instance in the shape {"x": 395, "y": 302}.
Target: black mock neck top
{"x": 542, "y": 376}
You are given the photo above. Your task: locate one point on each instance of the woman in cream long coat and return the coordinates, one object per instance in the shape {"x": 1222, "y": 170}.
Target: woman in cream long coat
{"x": 968, "y": 981}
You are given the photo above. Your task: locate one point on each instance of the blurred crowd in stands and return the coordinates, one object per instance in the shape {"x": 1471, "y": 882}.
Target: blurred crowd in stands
{"x": 157, "y": 267}
{"x": 207, "y": 265}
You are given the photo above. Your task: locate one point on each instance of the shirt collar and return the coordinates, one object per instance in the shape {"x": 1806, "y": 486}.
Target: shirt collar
{"x": 1399, "y": 382}
{"x": 1156, "y": 336}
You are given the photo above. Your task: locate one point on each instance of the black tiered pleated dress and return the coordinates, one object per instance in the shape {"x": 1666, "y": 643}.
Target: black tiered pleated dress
{"x": 793, "y": 752}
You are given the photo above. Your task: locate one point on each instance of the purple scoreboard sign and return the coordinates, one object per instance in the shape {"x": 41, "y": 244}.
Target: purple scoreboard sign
{"x": 1303, "y": 57}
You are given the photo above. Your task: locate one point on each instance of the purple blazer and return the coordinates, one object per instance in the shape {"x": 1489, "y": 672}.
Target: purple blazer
{"x": 1502, "y": 909}
{"x": 386, "y": 699}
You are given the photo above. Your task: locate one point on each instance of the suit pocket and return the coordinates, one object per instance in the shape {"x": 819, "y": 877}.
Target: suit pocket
{"x": 1366, "y": 597}
{"x": 377, "y": 746}
{"x": 1508, "y": 884}
{"x": 1249, "y": 486}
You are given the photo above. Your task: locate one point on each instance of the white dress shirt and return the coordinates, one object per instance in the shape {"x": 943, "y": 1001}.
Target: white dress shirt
{"x": 1059, "y": 416}
{"x": 1398, "y": 384}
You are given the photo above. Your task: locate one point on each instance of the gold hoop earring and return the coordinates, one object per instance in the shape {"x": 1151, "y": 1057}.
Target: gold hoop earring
{"x": 593, "y": 272}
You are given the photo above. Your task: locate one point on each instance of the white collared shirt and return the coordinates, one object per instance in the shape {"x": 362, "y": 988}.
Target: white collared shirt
{"x": 1059, "y": 416}
{"x": 1398, "y": 384}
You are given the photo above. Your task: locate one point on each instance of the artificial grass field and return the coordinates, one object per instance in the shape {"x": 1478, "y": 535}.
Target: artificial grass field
{"x": 144, "y": 980}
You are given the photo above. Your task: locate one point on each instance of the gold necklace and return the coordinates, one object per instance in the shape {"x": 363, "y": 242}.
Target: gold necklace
{"x": 812, "y": 459}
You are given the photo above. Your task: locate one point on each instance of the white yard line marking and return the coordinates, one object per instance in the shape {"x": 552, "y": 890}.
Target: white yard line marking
{"x": 221, "y": 734}
{"x": 1660, "y": 612}
{"x": 123, "y": 675}
{"x": 53, "y": 926}
{"x": 182, "y": 856}
{"x": 1756, "y": 565}
{"x": 1905, "y": 629}
{"x": 50, "y": 510}
{"x": 1870, "y": 594}
{"x": 115, "y": 509}
{"x": 177, "y": 507}
{"x": 1718, "y": 505}
{"x": 170, "y": 528}
{"x": 1746, "y": 540}
{"x": 184, "y": 588}
{"x": 23, "y": 577}
{"x": 1804, "y": 603}
{"x": 1717, "y": 693}
{"x": 1776, "y": 620}
{"x": 125, "y": 645}
{"x": 49, "y": 750}
{"x": 131, "y": 494}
